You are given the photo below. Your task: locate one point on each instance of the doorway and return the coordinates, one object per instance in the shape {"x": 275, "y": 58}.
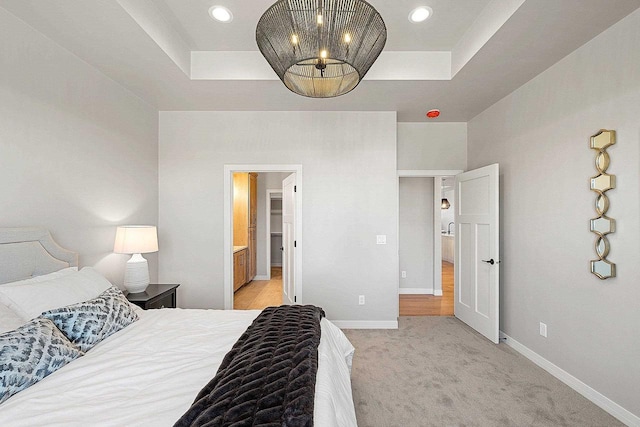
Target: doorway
{"x": 433, "y": 296}
{"x": 265, "y": 287}
{"x": 249, "y": 296}
{"x": 273, "y": 235}
{"x": 447, "y": 230}
{"x": 477, "y": 249}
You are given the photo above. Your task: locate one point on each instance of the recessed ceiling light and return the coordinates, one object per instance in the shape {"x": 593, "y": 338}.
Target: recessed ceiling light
{"x": 221, "y": 13}
{"x": 420, "y": 14}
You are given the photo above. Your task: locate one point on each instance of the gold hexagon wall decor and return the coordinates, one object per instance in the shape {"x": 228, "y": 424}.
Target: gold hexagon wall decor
{"x": 602, "y": 224}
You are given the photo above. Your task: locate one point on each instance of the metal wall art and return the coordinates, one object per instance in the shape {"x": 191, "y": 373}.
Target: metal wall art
{"x": 602, "y": 224}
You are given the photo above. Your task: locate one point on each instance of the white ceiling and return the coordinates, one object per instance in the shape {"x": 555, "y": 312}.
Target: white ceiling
{"x": 442, "y": 32}
{"x": 495, "y": 47}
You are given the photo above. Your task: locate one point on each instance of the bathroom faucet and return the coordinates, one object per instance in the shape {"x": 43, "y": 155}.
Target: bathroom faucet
{"x": 449, "y": 227}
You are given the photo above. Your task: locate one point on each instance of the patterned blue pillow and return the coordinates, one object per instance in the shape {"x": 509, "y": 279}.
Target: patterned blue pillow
{"x": 87, "y": 323}
{"x": 30, "y": 353}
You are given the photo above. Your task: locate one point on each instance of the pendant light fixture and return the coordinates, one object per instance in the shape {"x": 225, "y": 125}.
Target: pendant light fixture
{"x": 321, "y": 48}
{"x": 445, "y": 204}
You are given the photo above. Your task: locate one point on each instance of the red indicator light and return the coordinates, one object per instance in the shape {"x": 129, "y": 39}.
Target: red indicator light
{"x": 432, "y": 114}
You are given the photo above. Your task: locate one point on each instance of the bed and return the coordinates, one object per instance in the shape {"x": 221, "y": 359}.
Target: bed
{"x": 150, "y": 372}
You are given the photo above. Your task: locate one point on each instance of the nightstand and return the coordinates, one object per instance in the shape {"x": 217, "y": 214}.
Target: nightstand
{"x": 155, "y": 296}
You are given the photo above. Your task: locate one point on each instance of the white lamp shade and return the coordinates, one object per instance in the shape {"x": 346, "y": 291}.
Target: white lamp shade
{"x": 136, "y": 239}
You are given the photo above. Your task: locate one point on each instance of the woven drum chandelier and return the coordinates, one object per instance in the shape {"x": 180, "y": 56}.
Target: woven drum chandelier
{"x": 321, "y": 48}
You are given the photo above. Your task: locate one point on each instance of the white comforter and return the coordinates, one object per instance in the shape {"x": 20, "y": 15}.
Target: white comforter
{"x": 149, "y": 374}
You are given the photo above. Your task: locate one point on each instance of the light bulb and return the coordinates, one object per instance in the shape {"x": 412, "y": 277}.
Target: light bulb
{"x": 323, "y": 54}
{"x": 420, "y": 14}
{"x": 347, "y": 38}
{"x": 319, "y": 18}
{"x": 294, "y": 39}
{"x": 221, "y": 13}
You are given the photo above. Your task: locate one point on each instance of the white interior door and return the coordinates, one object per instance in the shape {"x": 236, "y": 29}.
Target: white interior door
{"x": 477, "y": 250}
{"x": 288, "y": 239}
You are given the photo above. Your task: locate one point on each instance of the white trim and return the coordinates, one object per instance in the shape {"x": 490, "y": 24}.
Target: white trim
{"x": 262, "y": 277}
{"x": 228, "y": 225}
{"x": 250, "y": 65}
{"x": 437, "y": 293}
{"x": 267, "y": 254}
{"x": 437, "y": 242}
{"x": 366, "y": 324}
{"x": 593, "y": 395}
{"x": 406, "y": 173}
{"x": 415, "y": 291}
{"x": 276, "y": 264}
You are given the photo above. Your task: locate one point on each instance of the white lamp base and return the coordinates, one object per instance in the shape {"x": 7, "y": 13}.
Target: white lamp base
{"x": 136, "y": 276}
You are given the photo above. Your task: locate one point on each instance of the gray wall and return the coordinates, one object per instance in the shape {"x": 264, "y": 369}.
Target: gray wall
{"x": 78, "y": 152}
{"x": 349, "y": 195}
{"x": 432, "y": 146}
{"x": 540, "y": 136}
{"x": 424, "y": 146}
{"x": 416, "y": 232}
{"x": 266, "y": 181}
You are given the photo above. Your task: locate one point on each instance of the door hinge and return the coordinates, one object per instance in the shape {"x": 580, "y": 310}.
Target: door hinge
{"x": 295, "y": 188}
{"x": 295, "y": 299}
{"x": 295, "y": 243}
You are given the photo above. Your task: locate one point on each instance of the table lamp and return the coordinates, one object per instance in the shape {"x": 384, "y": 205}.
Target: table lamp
{"x": 136, "y": 240}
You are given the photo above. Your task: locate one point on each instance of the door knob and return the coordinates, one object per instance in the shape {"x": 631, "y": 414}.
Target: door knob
{"x": 491, "y": 261}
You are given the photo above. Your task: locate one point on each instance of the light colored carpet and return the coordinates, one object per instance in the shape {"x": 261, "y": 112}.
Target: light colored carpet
{"x": 436, "y": 371}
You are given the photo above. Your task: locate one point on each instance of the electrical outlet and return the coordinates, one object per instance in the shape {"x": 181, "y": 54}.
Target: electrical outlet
{"x": 543, "y": 329}
{"x": 404, "y": 274}
{"x": 361, "y": 300}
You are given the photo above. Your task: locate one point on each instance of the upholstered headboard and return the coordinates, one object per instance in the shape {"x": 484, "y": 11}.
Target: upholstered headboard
{"x": 28, "y": 252}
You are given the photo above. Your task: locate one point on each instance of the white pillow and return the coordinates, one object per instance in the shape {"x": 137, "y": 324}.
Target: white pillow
{"x": 9, "y": 320}
{"x": 44, "y": 277}
{"x": 31, "y": 299}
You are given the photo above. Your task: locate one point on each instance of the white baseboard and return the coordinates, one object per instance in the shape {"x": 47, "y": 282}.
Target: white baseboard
{"x": 437, "y": 293}
{"x": 594, "y": 396}
{"x": 418, "y": 291}
{"x": 366, "y": 324}
{"x": 276, "y": 264}
{"x": 262, "y": 277}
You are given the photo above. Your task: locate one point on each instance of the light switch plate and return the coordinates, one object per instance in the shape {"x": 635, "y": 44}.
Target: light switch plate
{"x": 381, "y": 239}
{"x": 543, "y": 329}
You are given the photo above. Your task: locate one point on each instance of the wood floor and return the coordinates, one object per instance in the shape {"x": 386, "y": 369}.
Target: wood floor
{"x": 260, "y": 294}
{"x": 429, "y": 305}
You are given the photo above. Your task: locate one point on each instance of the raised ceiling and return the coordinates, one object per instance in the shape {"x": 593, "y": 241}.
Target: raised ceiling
{"x": 451, "y": 20}
{"x": 469, "y": 55}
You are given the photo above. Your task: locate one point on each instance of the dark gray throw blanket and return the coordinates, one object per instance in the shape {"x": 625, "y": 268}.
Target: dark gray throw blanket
{"x": 268, "y": 378}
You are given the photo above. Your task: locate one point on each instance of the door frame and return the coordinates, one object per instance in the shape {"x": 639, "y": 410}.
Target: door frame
{"x": 268, "y": 240}
{"x": 229, "y": 169}
{"x": 437, "y": 216}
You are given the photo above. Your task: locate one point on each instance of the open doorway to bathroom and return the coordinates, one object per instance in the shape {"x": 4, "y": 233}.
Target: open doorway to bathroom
{"x": 292, "y": 233}
{"x": 265, "y": 287}
{"x": 426, "y": 243}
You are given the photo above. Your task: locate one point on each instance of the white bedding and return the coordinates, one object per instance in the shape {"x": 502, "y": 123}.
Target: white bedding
{"x": 149, "y": 374}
